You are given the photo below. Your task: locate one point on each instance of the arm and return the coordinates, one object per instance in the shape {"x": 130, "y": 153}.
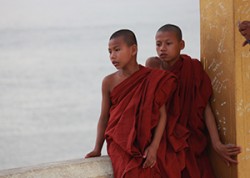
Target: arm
{"x": 103, "y": 121}
{"x": 151, "y": 152}
{"x": 225, "y": 151}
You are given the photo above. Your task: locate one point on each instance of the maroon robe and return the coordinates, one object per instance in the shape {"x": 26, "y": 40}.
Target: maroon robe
{"x": 194, "y": 91}
{"x": 134, "y": 115}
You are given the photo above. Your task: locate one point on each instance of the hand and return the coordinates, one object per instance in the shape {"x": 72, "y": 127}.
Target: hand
{"x": 245, "y": 43}
{"x": 93, "y": 153}
{"x": 227, "y": 152}
{"x": 244, "y": 29}
{"x": 150, "y": 156}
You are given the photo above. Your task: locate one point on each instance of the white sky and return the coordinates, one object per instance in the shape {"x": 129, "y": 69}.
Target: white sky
{"x": 41, "y": 13}
{"x": 44, "y": 14}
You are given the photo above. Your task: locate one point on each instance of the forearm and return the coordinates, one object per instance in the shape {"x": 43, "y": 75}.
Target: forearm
{"x": 103, "y": 120}
{"x": 211, "y": 125}
{"x": 160, "y": 128}
{"x": 101, "y": 127}
{"x": 226, "y": 151}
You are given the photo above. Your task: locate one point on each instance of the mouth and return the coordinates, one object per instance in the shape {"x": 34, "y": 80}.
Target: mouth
{"x": 115, "y": 63}
{"x": 163, "y": 55}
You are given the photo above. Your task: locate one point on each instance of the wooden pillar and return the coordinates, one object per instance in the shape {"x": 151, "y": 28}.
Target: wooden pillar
{"x": 228, "y": 65}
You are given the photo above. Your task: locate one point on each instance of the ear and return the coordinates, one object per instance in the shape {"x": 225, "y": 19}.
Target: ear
{"x": 182, "y": 44}
{"x": 134, "y": 49}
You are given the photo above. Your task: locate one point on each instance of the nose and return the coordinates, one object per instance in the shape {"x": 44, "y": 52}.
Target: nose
{"x": 163, "y": 47}
{"x": 112, "y": 55}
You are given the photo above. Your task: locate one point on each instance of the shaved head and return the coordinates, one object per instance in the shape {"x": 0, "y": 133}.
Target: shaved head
{"x": 127, "y": 35}
{"x": 171, "y": 28}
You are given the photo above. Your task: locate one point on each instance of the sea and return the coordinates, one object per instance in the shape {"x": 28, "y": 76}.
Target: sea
{"x": 53, "y": 57}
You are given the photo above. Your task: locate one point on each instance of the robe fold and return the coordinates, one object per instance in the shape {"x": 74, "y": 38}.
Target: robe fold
{"x": 194, "y": 91}
{"x": 134, "y": 115}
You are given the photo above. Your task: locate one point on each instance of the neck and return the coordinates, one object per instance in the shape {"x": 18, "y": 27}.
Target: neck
{"x": 129, "y": 70}
{"x": 167, "y": 65}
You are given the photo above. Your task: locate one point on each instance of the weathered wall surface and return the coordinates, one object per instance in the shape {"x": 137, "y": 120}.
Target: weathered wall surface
{"x": 83, "y": 168}
{"x": 228, "y": 65}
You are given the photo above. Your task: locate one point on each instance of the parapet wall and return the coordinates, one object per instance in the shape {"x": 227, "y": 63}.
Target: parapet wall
{"x": 99, "y": 167}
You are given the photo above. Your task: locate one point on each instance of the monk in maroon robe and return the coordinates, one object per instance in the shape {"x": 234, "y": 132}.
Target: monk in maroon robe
{"x": 133, "y": 115}
{"x": 192, "y": 99}
{"x": 194, "y": 92}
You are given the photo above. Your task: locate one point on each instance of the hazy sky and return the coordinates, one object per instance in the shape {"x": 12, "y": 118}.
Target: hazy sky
{"x": 134, "y": 14}
{"x": 63, "y": 13}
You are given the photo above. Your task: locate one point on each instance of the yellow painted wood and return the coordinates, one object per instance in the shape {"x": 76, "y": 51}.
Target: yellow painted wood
{"x": 228, "y": 65}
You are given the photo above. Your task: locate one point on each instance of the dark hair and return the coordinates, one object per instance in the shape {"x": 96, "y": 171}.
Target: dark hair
{"x": 171, "y": 28}
{"x": 128, "y": 36}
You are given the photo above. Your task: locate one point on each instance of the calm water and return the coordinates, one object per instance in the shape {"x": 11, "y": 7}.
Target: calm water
{"x": 53, "y": 57}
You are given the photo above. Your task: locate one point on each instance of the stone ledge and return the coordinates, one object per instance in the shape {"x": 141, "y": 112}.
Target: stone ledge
{"x": 99, "y": 167}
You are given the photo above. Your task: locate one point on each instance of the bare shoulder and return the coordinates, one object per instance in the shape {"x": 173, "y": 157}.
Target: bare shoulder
{"x": 153, "y": 62}
{"x": 109, "y": 81}
{"x": 110, "y": 78}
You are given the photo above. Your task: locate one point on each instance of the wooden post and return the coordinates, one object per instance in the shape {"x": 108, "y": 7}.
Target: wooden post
{"x": 228, "y": 65}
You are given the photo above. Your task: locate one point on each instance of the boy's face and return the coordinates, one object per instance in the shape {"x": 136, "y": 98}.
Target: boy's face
{"x": 168, "y": 46}
{"x": 120, "y": 53}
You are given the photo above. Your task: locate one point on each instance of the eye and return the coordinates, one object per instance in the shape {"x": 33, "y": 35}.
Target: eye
{"x": 117, "y": 49}
{"x": 169, "y": 43}
{"x": 158, "y": 44}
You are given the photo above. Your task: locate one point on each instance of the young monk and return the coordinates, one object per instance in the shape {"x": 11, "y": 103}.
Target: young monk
{"x": 194, "y": 91}
{"x": 133, "y": 115}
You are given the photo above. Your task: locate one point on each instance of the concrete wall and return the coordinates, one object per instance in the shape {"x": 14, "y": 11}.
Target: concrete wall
{"x": 228, "y": 65}
{"x": 99, "y": 167}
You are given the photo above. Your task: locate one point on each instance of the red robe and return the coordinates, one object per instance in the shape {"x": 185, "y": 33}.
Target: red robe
{"x": 194, "y": 91}
{"x": 134, "y": 114}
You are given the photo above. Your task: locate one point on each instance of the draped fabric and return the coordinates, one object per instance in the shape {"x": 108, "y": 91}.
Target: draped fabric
{"x": 134, "y": 115}
{"x": 194, "y": 91}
